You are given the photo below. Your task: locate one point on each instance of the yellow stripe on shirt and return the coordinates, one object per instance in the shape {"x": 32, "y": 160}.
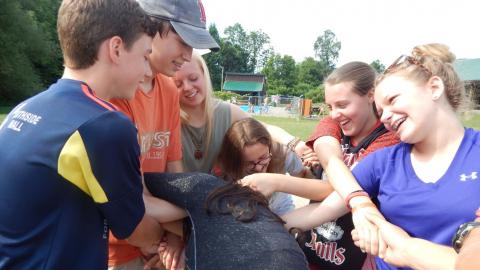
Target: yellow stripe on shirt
{"x": 74, "y": 165}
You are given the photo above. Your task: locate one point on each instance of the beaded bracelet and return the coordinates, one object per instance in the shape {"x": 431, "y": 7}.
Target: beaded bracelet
{"x": 293, "y": 143}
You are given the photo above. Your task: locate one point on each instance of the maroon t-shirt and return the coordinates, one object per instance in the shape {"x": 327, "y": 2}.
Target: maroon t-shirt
{"x": 330, "y": 245}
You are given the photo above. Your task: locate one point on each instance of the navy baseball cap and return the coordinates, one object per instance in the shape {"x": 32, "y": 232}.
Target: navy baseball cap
{"x": 187, "y": 18}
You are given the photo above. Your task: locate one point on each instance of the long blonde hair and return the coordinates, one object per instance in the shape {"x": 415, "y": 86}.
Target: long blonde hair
{"x": 208, "y": 104}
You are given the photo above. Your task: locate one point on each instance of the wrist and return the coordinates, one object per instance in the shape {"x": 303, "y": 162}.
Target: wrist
{"x": 361, "y": 205}
{"x": 299, "y": 146}
{"x": 292, "y": 144}
{"x": 357, "y": 196}
{"x": 280, "y": 184}
{"x": 410, "y": 250}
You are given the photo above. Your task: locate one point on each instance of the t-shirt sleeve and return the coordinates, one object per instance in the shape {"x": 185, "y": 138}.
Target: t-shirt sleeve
{"x": 186, "y": 190}
{"x": 102, "y": 159}
{"x": 293, "y": 164}
{"x": 326, "y": 127}
{"x": 175, "y": 150}
{"x": 368, "y": 172}
{"x": 124, "y": 106}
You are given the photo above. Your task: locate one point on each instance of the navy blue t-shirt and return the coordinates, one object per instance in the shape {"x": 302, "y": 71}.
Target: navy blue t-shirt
{"x": 69, "y": 172}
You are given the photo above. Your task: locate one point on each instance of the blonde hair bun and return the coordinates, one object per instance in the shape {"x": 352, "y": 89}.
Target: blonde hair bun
{"x": 437, "y": 51}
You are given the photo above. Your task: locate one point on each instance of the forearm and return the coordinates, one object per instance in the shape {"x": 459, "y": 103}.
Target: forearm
{"x": 304, "y": 187}
{"x": 424, "y": 255}
{"x": 313, "y": 215}
{"x": 468, "y": 258}
{"x": 161, "y": 210}
{"x": 147, "y": 233}
{"x": 175, "y": 227}
{"x": 329, "y": 152}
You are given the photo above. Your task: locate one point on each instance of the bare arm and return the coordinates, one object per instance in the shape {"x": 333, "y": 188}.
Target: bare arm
{"x": 329, "y": 153}
{"x": 147, "y": 234}
{"x": 468, "y": 258}
{"x": 313, "y": 215}
{"x": 341, "y": 178}
{"x": 161, "y": 210}
{"x": 175, "y": 227}
{"x": 267, "y": 183}
{"x": 405, "y": 251}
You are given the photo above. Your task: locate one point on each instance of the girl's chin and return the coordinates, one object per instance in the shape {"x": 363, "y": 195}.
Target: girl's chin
{"x": 191, "y": 104}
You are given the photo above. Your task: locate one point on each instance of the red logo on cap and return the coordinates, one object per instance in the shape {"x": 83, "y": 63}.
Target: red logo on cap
{"x": 203, "y": 18}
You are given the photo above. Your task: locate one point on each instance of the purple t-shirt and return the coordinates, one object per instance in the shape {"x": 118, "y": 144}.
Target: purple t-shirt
{"x": 431, "y": 211}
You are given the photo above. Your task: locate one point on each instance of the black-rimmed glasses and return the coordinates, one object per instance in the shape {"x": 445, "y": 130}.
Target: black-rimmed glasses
{"x": 251, "y": 165}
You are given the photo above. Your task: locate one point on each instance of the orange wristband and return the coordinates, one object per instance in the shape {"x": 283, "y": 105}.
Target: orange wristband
{"x": 363, "y": 205}
{"x": 354, "y": 194}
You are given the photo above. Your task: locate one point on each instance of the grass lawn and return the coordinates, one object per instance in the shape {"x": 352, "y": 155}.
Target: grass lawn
{"x": 301, "y": 128}
{"x": 304, "y": 127}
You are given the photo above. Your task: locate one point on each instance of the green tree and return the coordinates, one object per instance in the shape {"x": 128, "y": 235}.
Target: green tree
{"x": 236, "y": 35}
{"x": 258, "y": 45}
{"x": 301, "y": 89}
{"x": 255, "y": 45}
{"x": 30, "y": 57}
{"x": 311, "y": 71}
{"x": 316, "y": 94}
{"x": 214, "y": 60}
{"x": 281, "y": 73}
{"x": 327, "y": 48}
{"x": 378, "y": 66}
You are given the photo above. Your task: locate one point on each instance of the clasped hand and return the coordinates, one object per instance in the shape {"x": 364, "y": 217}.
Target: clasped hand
{"x": 376, "y": 236}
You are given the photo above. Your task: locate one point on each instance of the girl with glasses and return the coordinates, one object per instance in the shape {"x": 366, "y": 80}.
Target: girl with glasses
{"x": 248, "y": 149}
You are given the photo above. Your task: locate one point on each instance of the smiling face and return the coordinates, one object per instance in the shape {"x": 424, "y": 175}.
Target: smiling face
{"x": 405, "y": 108}
{"x": 256, "y": 158}
{"x": 353, "y": 112}
{"x": 191, "y": 84}
{"x": 169, "y": 53}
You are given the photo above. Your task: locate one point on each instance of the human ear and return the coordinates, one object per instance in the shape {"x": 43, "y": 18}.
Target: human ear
{"x": 436, "y": 87}
{"x": 371, "y": 95}
{"x": 115, "y": 45}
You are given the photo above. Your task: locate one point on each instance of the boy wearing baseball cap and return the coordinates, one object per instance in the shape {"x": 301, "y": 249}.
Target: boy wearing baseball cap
{"x": 155, "y": 109}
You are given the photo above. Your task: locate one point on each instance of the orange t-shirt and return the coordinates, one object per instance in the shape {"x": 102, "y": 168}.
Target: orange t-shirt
{"x": 156, "y": 115}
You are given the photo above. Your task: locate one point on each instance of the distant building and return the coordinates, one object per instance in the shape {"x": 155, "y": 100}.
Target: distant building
{"x": 469, "y": 72}
{"x": 245, "y": 83}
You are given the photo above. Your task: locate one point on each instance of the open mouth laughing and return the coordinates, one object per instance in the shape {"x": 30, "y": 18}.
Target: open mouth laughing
{"x": 396, "y": 125}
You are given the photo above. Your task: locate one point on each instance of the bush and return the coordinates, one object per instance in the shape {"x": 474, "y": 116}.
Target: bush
{"x": 225, "y": 95}
{"x": 317, "y": 95}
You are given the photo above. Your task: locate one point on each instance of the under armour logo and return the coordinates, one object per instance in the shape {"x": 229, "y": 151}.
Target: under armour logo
{"x": 472, "y": 176}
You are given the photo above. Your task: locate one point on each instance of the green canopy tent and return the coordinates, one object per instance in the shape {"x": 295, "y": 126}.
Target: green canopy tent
{"x": 245, "y": 83}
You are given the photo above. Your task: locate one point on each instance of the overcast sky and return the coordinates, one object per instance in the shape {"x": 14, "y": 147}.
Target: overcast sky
{"x": 367, "y": 29}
